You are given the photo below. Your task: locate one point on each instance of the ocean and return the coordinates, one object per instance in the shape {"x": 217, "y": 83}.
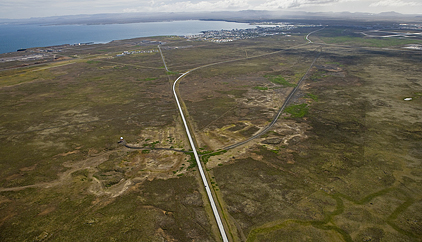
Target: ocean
{"x": 14, "y": 37}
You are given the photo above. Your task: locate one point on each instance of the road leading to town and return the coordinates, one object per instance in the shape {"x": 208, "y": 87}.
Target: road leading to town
{"x": 307, "y": 36}
{"x": 201, "y": 170}
{"x": 269, "y": 126}
{"x": 188, "y": 133}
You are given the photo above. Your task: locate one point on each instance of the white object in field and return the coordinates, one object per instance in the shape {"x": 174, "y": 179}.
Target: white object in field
{"x": 408, "y": 99}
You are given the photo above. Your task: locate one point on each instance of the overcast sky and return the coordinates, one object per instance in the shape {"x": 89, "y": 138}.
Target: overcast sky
{"x": 43, "y": 8}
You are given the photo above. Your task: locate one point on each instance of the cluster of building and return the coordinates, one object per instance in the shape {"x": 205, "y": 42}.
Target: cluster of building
{"x": 166, "y": 47}
{"x": 25, "y": 57}
{"x": 411, "y": 26}
{"x": 150, "y": 42}
{"x": 413, "y": 47}
{"x": 219, "y": 36}
{"x": 136, "y": 52}
{"x": 51, "y": 50}
{"x": 79, "y": 44}
{"x": 56, "y": 48}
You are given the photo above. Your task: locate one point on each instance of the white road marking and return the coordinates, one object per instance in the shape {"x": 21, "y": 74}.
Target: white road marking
{"x": 201, "y": 171}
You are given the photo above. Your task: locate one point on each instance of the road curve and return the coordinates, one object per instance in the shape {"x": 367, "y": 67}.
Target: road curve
{"x": 307, "y": 36}
{"x": 201, "y": 171}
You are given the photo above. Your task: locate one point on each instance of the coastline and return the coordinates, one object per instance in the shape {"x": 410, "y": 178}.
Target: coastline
{"x": 16, "y": 36}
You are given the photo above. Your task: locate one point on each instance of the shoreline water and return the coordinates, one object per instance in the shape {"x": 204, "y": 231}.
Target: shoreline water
{"x": 14, "y": 37}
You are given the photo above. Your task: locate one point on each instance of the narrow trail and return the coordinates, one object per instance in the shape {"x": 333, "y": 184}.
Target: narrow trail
{"x": 155, "y": 148}
{"x": 65, "y": 177}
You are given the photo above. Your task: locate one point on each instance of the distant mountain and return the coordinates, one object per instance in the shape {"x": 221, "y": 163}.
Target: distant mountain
{"x": 238, "y": 16}
{"x": 392, "y": 13}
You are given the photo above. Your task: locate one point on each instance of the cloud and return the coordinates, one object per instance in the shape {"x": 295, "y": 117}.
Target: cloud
{"x": 38, "y": 8}
{"x": 215, "y": 5}
{"x": 286, "y": 4}
{"x": 394, "y": 3}
{"x": 190, "y": 6}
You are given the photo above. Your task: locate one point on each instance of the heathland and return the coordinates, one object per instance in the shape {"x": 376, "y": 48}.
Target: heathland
{"x": 342, "y": 162}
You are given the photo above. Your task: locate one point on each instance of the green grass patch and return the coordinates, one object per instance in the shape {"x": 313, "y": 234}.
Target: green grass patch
{"x": 297, "y": 111}
{"x": 17, "y": 77}
{"x": 207, "y": 154}
{"x": 311, "y": 96}
{"x": 83, "y": 172}
{"x": 192, "y": 161}
{"x": 92, "y": 62}
{"x": 373, "y": 42}
{"x": 148, "y": 79}
{"x": 279, "y": 80}
{"x": 317, "y": 75}
{"x": 298, "y": 76}
{"x": 418, "y": 94}
{"x": 235, "y": 92}
{"x": 261, "y": 88}
{"x": 334, "y": 63}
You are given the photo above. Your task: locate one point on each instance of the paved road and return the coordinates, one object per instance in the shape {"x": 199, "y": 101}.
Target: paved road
{"x": 201, "y": 171}
{"x": 310, "y": 41}
{"x": 292, "y": 93}
{"x": 162, "y": 57}
{"x": 198, "y": 162}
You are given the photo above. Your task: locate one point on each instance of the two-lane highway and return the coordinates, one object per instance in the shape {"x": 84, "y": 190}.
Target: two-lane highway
{"x": 201, "y": 171}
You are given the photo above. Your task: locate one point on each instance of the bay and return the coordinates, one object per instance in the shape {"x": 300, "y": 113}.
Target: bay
{"x": 14, "y": 37}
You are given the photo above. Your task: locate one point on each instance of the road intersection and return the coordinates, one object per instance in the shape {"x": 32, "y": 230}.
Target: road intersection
{"x": 192, "y": 143}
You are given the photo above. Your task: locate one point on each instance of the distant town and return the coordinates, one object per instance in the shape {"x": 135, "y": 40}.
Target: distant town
{"x": 262, "y": 29}
{"x": 238, "y": 34}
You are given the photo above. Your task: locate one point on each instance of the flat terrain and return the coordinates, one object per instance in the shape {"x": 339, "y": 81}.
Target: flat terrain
{"x": 342, "y": 163}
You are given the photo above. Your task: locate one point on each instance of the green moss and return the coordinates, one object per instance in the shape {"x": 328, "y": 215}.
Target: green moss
{"x": 170, "y": 73}
{"x": 297, "y": 111}
{"x": 92, "y": 62}
{"x": 279, "y": 80}
{"x": 237, "y": 93}
{"x": 206, "y": 155}
{"x": 373, "y": 42}
{"x": 318, "y": 75}
{"x": 312, "y": 96}
{"x": 83, "y": 172}
{"x": 148, "y": 79}
{"x": 261, "y": 88}
{"x": 275, "y": 151}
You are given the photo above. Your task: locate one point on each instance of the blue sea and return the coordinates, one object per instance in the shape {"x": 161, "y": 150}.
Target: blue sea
{"x": 14, "y": 37}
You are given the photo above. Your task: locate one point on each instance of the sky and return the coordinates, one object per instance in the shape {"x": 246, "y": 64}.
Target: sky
{"x": 18, "y": 9}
